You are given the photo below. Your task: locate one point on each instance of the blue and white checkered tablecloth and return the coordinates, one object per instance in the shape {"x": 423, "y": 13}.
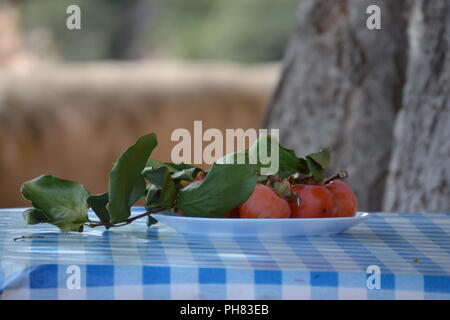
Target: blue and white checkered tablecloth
{"x": 411, "y": 251}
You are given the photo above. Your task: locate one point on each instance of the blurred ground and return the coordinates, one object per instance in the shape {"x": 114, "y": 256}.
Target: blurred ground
{"x": 74, "y": 120}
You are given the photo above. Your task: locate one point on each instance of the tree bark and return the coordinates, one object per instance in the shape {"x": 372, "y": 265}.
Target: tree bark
{"x": 420, "y": 166}
{"x": 341, "y": 86}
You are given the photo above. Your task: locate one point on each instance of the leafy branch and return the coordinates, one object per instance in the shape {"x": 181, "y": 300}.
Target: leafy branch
{"x": 164, "y": 186}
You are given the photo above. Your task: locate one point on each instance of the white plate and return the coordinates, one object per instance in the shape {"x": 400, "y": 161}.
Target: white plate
{"x": 260, "y": 227}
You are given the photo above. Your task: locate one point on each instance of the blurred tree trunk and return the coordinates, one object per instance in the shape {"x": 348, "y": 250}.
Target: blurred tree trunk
{"x": 124, "y": 38}
{"x": 135, "y": 16}
{"x": 341, "y": 86}
{"x": 419, "y": 175}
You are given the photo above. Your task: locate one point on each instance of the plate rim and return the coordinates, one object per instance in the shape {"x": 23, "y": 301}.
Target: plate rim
{"x": 362, "y": 215}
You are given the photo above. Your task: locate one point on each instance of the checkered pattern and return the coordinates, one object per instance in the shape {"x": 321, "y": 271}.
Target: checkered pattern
{"x": 412, "y": 252}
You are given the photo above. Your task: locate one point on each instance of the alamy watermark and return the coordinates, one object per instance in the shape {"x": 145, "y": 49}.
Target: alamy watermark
{"x": 189, "y": 148}
{"x": 73, "y": 281}
{"x": 73, "y": 21}
{"x": 374, "y": 20}
{"x": 374, "y": 277}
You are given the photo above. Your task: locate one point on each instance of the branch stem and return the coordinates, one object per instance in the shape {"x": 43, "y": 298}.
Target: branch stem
{"x": 128, "y": 221}
{"x": 340, "y": 175}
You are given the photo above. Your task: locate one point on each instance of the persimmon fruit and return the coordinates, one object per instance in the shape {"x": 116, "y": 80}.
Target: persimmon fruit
{"x": 345, "y": 200}
{"x": 264, "y": 203}
{"x": 314, "y": 202}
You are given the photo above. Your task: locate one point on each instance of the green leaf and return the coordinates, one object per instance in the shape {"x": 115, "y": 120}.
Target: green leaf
{"x": 152, "y": 198}
{"x": 224, "y": 188}
{"x": 126, "y": 183}
{"x": 34, "y": 216}
{"x": 323, "y": 157}
{"x": 157, "y": 177}
{"x": 155, "y": 164}
{"x": 173, "y": 167}
{"x": 179, "y": 171}
{"x": 186, "y": 174}
{"x": 61, "y": 202}
{"x": 315, "y": 164}
{"x": 98, "y": 203}
{"x": 180, "y": 166}
{"x": 287, "y": 160}
{"x": 165, "y": 193}
{"x": 315, "y": 169}
{"x": 151, "y": 221}
{"x": 303, "y": 166}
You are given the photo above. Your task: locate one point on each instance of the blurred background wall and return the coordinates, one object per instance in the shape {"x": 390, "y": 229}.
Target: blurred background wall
{"x": 72, "y": 100}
